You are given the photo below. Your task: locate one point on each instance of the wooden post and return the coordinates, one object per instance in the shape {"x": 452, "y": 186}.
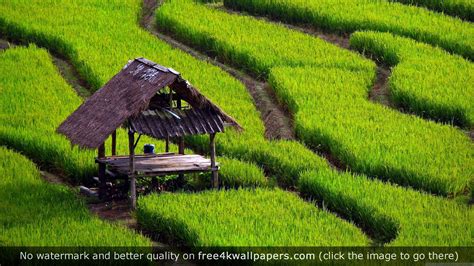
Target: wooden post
{"x": 171, "y": 98}
{"x": 131, "y": 174}
{"x": 114, "y": 143}
{"x": 178, "y": 103}
{"x": 212, "y": 147}
{"x": 102, "y": 177}
{"x": 181, "y": 151}
{"x": 167, "y": 144}
{"x": 181, "y": 145}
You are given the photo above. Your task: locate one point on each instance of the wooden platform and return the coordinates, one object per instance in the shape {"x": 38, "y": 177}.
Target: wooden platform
{"x": 158, "y": 164}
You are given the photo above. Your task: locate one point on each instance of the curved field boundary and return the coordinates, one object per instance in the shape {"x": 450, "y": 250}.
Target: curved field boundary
{"x": 425, "y": 80}
{"x": 372, "y": 138}
{"x": 239, "y": 218}
{"x": 419, "y": 219}
{"x": 460, "y": 8}
{"x": 36, "y": 213}
{"x": 369, "y": 138}
{"x": 452, "y": 34}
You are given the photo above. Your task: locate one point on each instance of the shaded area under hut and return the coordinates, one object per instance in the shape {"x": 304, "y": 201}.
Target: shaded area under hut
{"x": 152, "y": 100}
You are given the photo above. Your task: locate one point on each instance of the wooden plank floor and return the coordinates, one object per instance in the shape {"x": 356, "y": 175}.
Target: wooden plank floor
{"x": 159, "y": 164}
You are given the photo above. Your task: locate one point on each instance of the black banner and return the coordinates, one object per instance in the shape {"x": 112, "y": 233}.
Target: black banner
{"x": 236, "y": 255}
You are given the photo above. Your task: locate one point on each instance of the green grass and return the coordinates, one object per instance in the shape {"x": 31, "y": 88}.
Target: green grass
{"x": 244, "y": 218}
{"x": 36, "y": 213}
{"x": 35, "y": 100}
{"x": 240, "y": 174}
{"x": 331, "y": 107}
{"x": 425, "y": 80}
{"x": 460, "y": 8}
{"x": 452, "y": 34}
{"x": 420, "y": 219}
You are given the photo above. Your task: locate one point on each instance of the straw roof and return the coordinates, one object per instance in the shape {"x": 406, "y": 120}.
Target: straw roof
{"x": 125, "y": 96}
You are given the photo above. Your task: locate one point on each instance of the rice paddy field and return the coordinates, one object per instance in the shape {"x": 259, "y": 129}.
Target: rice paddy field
{"x": 358, "y": 172}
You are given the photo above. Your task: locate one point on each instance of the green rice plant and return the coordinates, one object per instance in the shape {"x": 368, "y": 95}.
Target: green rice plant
{"x": 331, "y": 107}
{"x": 452, "y": 34}
{"x": 332, "y": 113}
{"x": 36, "y": 213}
{"x": 244, "y": 218}
{"x": 33, "y": 102}
{"x": 460, "y": 8}
{"x": 421, "y": 219}
{"x": 239, "y": 174}
{"x": 425, "y": 80}
{"x": 30, "y": 115}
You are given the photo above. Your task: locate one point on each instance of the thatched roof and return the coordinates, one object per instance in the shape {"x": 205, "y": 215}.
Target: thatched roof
{"x": 125, "y": 96}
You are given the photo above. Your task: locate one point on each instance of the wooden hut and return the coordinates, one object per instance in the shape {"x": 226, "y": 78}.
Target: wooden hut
{"x": 146, "y": 98}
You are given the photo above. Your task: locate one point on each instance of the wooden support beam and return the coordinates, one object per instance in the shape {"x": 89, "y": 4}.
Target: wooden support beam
{"x": 167, "y": 144}
{"x": 131, "y": 172}
{"x": 154, "y": 184}
{"x": 212, "y": 147}
{"x": 178, "y": 102}
{"x": 171, "y": 98}
{"x": 101, "y": 151}
{"x": 181, "y": 145}
{"x": 114, "y": 143}
{"x": 101, "y": 174}
{"x": 181, "y": 151}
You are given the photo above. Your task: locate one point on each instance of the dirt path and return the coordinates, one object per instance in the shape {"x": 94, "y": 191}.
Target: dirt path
{"x": 380, "y": 91}
{"x": 70, "y": 74}
{"x": 277, "y": 119}
{"x": 117, "y": 211}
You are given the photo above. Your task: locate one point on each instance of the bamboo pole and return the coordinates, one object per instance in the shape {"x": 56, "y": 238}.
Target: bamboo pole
{"x": 212, "y": 147}
{"x": 114, "y": 143}
{"x": 181, "y": 145}
{"x": 178, "y": 103}
{"x": 181, "y": 151}
{"x": 101, "y": 174}
{"x": 131, "y": 174}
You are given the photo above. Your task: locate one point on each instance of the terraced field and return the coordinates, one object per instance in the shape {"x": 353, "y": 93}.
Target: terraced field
{"x": 364, "y": 136}
{"x": 422, "y": 79}
{"x": 460, "y": 8}
{"x": 394, "y": 177}
{"x": 433, "y": 28}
